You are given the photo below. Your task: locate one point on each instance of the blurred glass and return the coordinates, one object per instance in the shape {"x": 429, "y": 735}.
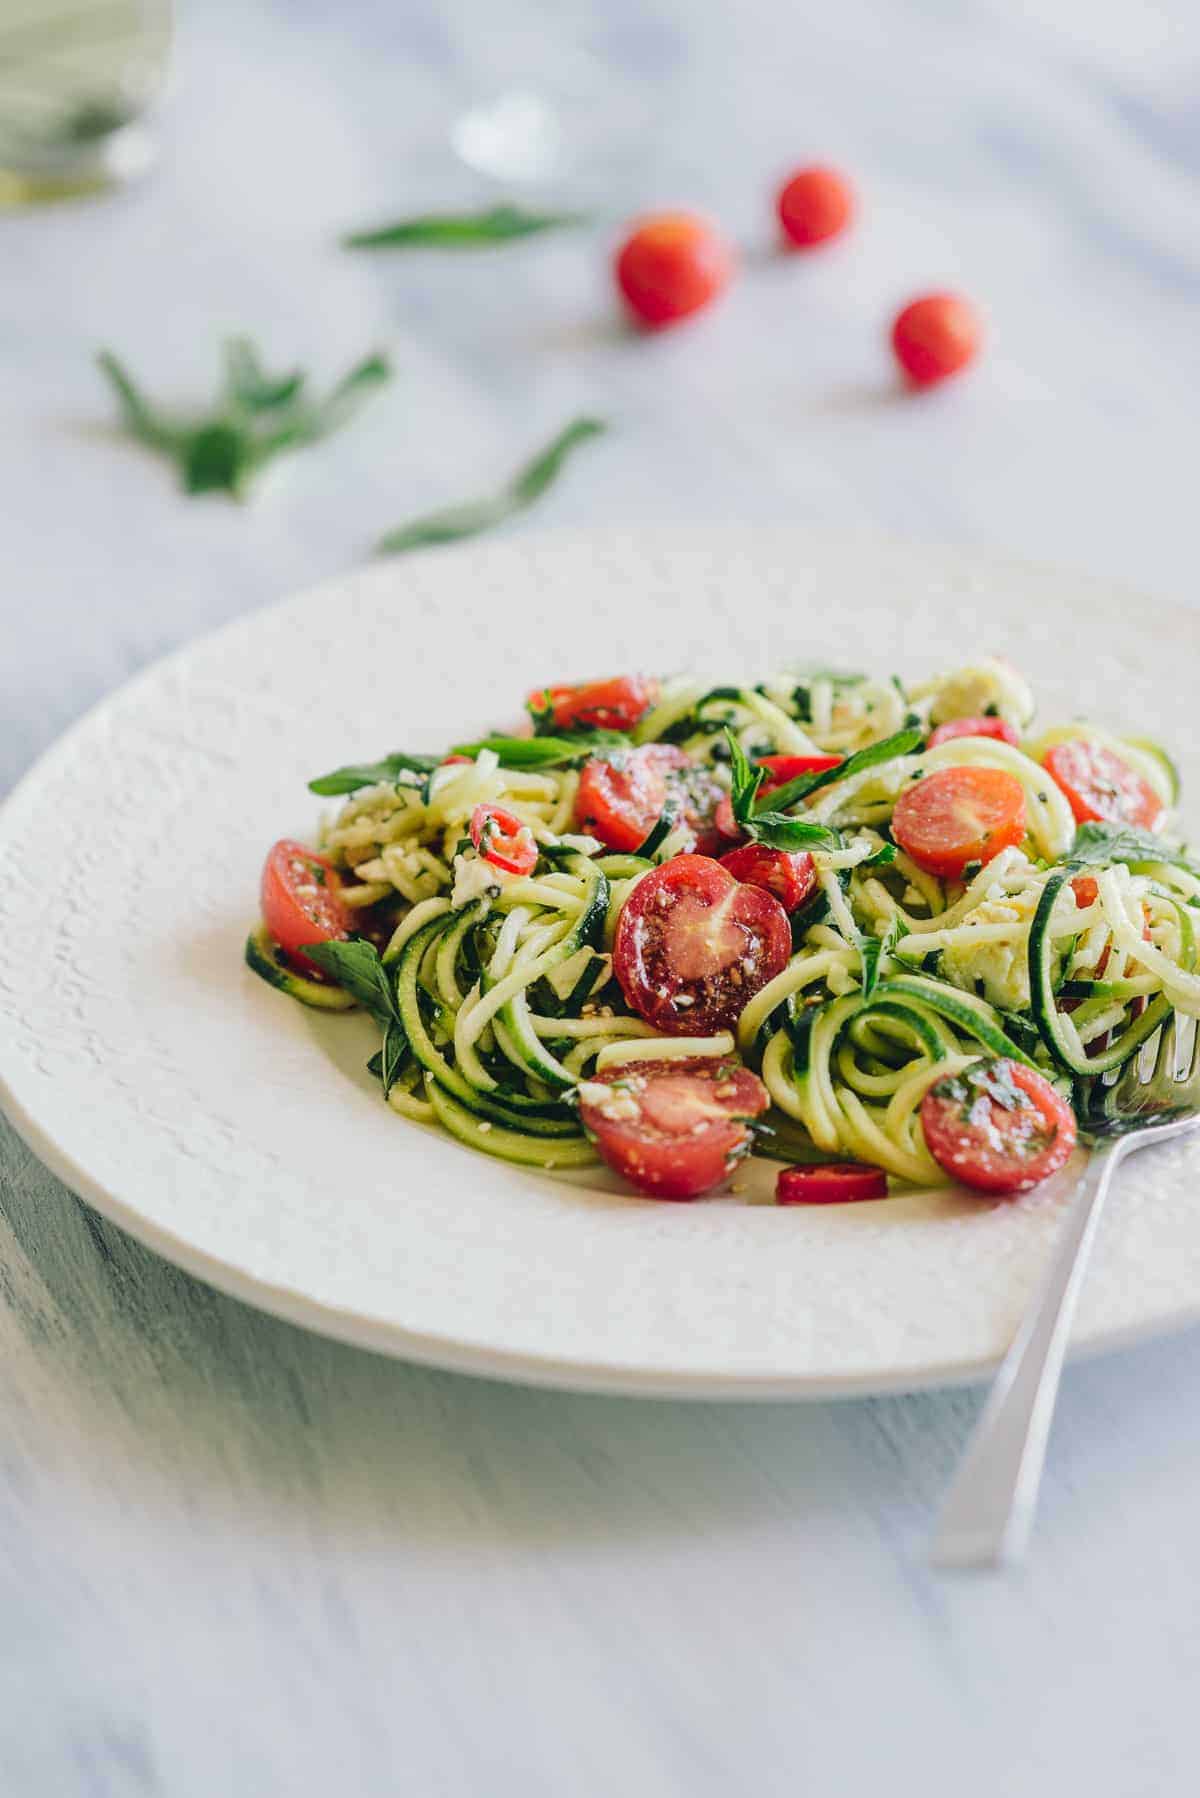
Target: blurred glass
{"x": 77, "y": 79}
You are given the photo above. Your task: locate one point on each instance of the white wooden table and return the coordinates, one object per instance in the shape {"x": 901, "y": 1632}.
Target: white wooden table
{"x": 235, "y": 1559}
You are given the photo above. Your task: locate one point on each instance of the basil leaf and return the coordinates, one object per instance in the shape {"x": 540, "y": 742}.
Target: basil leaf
{"x": 745, "y": 780}
{"x": 873, "y": 950}
{"x": 255, "y": 417}
{"x": 779, "y": 831}
{"x": 371, "y": 774}
{"x": 1097, "y": 845}
{"x": 455, "y": 523}
{"x": 395, "y": 1048}
{"x": 356, "y": 967}
{"x": 903, "y": 742}
{"x": 882, "y": 858}
{"x": 461, "y": 230}
{"x": 544, "y": 752}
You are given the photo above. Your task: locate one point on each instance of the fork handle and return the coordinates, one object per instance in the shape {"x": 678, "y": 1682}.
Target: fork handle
{"x": 987, "y": 1514}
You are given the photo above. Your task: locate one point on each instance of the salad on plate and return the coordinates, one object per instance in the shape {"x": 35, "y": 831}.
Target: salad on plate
{"x": 885, "y": 933}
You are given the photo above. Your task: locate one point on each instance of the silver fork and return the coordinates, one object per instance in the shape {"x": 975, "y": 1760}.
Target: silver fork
{"x": 988, "y": 1512}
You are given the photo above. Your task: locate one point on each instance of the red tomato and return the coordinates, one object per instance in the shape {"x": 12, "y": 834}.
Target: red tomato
{"x": 615, "y": 704}
{"x": 790, "y": 875}
{"x": 1086, "y": 891}
{"x": 693, "y": 945}
{"x": 999, "y": 728}
{"x": 302, "y": 901}
{"x": 449, "y": 761}
{"x": 621, "y": 795}
{"x": 997, "y": 1126}
{"x": 1098, "y": 784}
{"x": 936, "y": 336}
{"x": 780, "y": 770}
{"x": 959, "y": 815}
{"x": 671, "y": 265}
{"x": 814, "y": 205}
{"x": 833, "y": 1183}
{"x": 674, "y": 1129}
{"x": 502, "y": 839}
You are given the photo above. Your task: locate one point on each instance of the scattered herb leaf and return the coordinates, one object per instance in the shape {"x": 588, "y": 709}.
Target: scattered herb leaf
{"x": 455, "y": 523}
{"x": 255, "y": 417}
{"x": 461, "y": 230}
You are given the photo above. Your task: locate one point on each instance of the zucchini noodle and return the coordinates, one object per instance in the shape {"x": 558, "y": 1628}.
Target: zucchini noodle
{"x": 497, "y": 994}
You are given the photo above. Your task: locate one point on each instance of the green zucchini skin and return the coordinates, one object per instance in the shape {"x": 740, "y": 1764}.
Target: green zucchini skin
{"x": 1045, "y": 1008}
{"x": 262, "y": 954}
{"x": 505, "y": 1142}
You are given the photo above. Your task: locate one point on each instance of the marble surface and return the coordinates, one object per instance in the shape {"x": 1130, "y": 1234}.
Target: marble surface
{"x": 237, "y": 1559}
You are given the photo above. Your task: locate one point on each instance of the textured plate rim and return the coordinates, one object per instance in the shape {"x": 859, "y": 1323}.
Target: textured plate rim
{"x": 455, "y": 1353}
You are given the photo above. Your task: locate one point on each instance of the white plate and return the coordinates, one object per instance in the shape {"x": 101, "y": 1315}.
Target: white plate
{"x": 238, "y": 1134}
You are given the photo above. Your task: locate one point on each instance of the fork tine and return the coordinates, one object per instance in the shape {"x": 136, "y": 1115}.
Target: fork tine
{"x": 1187, "y": 1046}
{"x": 1150, "y": 1058}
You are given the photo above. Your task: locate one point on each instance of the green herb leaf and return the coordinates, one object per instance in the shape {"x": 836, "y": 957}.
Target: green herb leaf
{"x": 461, "y": 230}
{"x": 356, "y": 967}
{"x": 139, "y": 416}
{"x": 745, "y": 780}
{"x": 545, "y": 752}
{"x": 1098, "y": 845}
{"x": 455, "y": 523}
{"x": 371, "y": 774}
{"x": 248, "y": 384}
{"x": 256, "y": 417}
{"x": 773, "y": 828}
{"x": 904, "y": 742}
{"x": 776, "y": 830}
{"x": 395, "y": 1048}
{"x": 873, "y": 950}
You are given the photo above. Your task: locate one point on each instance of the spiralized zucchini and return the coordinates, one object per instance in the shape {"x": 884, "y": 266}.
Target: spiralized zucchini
{"x": 504, "y": 987}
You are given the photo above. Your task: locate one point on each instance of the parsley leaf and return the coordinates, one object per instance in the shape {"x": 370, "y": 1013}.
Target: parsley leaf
{"x": 254, "y": 418}
{"x": 371, "y": 774}
{"x": 454, "y": 523}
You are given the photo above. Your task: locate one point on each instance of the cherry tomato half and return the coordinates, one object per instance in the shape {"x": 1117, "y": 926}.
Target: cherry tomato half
{"x": 621, "y": 796}
{"x": 814, "y": 205}
{"x": 693, "y": 945}
{"x": 959, "y": 815}
{"x": 1099, "y": 785}
{"x": 789, "y": 875}
{"x": 301, "y": 897}
{"x": 670, "y": 266}
{"x": 615, "y": 704}
{"x": 832, "y": 1183}
{"x": 998, "y": 728}
{"x": 998, "y": 1126}
{"x": 673, "y": 1129}
{"x": 935, "y": 337}
{"x": 502, "y": 839}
